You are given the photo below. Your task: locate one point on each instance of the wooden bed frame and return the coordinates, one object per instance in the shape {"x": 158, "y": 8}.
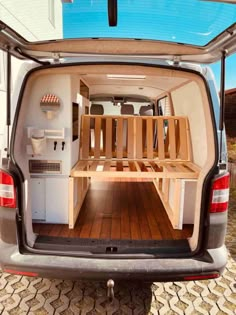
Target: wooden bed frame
{"x": 155, "y": 147}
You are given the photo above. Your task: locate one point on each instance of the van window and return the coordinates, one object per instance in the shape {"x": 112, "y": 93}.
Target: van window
{"x": 75, "y": 120}
{"x": 164, "y": 108}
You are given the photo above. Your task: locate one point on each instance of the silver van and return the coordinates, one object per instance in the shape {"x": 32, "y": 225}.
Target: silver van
{"x": 116, "y": 161}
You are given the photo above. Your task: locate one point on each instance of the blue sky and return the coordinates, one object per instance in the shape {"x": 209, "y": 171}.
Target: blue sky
{"x": 230, "y": 75}
{"x": 193, "y": 21}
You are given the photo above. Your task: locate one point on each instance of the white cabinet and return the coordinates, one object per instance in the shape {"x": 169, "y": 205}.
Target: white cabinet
{"x": 50, "y": 199}
{"x": 57, "y": 200}
{"x": 189, "y": 198}
{"x": 183, "y": 206}
{"x": 38, "y": 199}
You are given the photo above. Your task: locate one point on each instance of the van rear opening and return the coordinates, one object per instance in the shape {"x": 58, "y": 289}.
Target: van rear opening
{"x": 115, "y": 163}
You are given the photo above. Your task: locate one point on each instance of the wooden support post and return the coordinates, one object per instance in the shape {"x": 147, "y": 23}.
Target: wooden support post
{"x": 177, "y": 220}
{"x": 71, "y": 203}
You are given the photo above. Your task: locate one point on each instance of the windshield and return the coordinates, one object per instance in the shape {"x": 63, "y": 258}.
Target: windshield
{"x": 192, "y": 22}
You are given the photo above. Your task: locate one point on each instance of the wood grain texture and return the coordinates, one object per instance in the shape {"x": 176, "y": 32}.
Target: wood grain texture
{"x": 135, "y": 137}
{"x": 119, "y": 209}
{"x": 189, "y": 169}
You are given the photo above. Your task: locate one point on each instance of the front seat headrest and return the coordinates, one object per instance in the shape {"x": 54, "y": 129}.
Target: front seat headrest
{"x": 96, "y": 109}
{"x": 127, "y": 109}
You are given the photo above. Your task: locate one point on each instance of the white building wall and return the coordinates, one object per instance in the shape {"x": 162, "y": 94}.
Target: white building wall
{"x": 34, "y": 20}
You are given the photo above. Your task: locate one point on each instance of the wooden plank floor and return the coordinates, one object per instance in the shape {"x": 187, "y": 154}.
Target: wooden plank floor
{"x": 119, "y": 209}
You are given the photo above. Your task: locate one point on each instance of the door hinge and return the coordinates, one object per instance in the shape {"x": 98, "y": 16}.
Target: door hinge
{"x": 176, "y": 61}
{"x": 56, "y": 57}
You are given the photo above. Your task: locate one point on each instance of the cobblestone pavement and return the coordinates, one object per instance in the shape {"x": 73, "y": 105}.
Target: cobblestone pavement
{"x": 24, "y": 295}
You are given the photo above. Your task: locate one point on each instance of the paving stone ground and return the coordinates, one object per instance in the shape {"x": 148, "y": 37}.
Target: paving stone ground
{"x": 38, "y": 296}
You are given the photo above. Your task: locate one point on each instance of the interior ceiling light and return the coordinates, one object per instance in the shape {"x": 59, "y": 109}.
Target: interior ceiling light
{"x": 125, "y": 77}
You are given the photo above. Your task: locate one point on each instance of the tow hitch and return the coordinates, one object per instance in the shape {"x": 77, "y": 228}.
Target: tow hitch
{"x": 110, "y": 289}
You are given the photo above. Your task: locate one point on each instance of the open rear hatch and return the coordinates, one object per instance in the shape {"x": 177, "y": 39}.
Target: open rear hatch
{"x": 175, "y": 154}
{"x": 120, "y": 182}
{"x": 68, "y": 48}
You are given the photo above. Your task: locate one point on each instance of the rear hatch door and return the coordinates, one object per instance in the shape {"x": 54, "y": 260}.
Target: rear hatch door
{"x": 187, "y": 31}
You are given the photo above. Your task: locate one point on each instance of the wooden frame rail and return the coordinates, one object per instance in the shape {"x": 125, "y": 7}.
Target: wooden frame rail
{"x": 135, "y": 169}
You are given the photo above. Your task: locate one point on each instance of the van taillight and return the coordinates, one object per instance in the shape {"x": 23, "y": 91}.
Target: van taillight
{"x": 7, "y": 191}
{"x": 220, "y": 194}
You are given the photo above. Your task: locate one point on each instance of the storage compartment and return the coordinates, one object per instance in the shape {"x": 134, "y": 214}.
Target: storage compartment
{"x": 50, "y": 199}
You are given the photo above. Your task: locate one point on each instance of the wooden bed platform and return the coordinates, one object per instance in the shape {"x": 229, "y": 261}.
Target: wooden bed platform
{"x": 120, "y": 209}
{"x": 153, "y": 147}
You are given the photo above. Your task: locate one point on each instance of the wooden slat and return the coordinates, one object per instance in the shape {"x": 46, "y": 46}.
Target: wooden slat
{"x": 93, "y": 166}
{"x": 119, "y": 138}
{"x": 108, "y": 150}
{"x": 107, "y": 165}
{"x": 142, "y": 166}
{"x": 132, "y": 174}
{"x": 192, "y": 167}
{"x": 149, "y": 135}
{"x": 172, "y": 143}
{"x": 156, "y": 167}
{"x": 132, "y": 167}
{"x": 181, "y": 168}
{"x": 139, "y": 138}
{"x": 160, "y": 139}
{"x": 137, "y": 167}
{"x": 171, "y": 168}
{"x": 81, "y": 165}
{"x": 97, "y": 144}
{"x": 85, "y": 136}
{"x": 119, "y": 166}
{"x": 183, "y": 150}
{"x": 131, "y": 135}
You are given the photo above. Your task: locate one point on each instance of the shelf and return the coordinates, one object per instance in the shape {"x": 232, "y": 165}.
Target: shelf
{"x": 53, "y": 134}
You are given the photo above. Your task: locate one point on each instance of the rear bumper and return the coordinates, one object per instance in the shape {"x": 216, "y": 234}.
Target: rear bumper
{"x": 214, "y": 260}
